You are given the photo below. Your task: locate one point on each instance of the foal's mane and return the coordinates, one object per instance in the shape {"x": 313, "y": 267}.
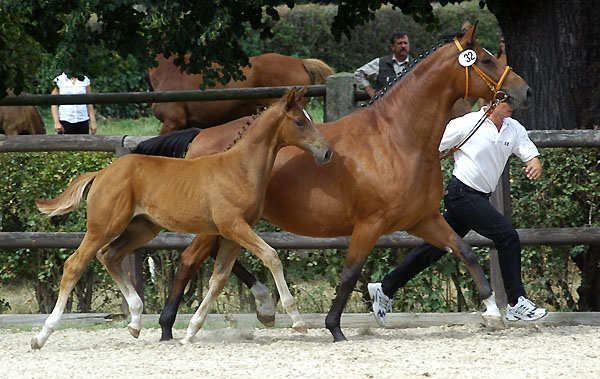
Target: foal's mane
{"x": 242, "y": 132}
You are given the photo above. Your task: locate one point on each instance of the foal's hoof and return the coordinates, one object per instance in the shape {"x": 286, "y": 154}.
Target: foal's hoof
{"x": 265, "y": 319}
{"x": 134, "y": 332}
{"x": 493, "y": 322}
{"x": 300, "y": 327}
{"x": 34, "y": 344}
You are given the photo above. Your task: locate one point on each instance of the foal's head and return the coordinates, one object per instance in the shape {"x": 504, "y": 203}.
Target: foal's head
{"x": 298, "y": 129}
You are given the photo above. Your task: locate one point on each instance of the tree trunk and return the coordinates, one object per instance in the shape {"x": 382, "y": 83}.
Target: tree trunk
{"x": 589, "y": 290}
{"x": 555, "y": 46}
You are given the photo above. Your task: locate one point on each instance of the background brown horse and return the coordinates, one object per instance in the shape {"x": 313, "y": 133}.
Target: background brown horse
{"x": 21, "y": 120}
{"x": 385, "y": 175}
{"x": 267, "y": 70}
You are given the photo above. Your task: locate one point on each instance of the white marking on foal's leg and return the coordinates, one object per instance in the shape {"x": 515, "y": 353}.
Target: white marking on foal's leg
{"x": 266, "y": 307}
{"x": 136, "y": 306}
{"x": 492, "y": 316}
{"x": 271, "y": 260}
{"x": 51, "y": 322}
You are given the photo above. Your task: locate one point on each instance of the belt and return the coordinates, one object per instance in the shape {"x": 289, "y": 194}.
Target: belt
{"x": 469, "y": 189}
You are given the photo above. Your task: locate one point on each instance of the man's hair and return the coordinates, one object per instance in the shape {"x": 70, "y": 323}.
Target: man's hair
{"x": 397, "y": 35}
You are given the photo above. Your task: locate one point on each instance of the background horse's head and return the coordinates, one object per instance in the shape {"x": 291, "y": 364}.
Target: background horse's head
{"x": 517, "y": 91}
{"x": 298, "y": 128}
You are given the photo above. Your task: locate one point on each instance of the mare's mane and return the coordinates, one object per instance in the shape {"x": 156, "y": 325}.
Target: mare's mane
{"x": 445, "y": 39}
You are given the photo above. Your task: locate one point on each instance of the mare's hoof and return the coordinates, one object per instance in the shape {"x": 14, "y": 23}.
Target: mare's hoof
{"x": 265, "y": 319}
{"x": 34, "y": 344}
{"x": 134, "y": 332}
{"x": 185, "y": 341}
{"x": 300, "y": 327}
{"x": 493, "y": 322}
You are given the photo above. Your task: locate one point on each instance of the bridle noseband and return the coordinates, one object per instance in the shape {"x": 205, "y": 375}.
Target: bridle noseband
{"x": 493, "y": 86}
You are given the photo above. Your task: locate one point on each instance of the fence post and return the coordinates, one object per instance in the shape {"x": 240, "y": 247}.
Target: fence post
{"x": 339, "y": 100}
{"x": 132, "y": 263}
{"x": 500, "y": 199}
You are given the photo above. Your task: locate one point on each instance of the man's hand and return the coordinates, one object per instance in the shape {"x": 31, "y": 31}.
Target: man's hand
{"x": 533, "y": 169}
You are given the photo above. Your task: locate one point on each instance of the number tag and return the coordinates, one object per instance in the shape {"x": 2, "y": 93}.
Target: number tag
{"x": 467, "y": 58}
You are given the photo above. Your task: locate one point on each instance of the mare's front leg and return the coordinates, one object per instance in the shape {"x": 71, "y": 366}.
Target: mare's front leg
{"x": 225, "y": 258}
{"x": 137, "y": 233}
{"x": 437, "y": 232}
{"x": 364, "y": 237}
{"x": 189, "y": 263}
{"x": 240, "y": 232}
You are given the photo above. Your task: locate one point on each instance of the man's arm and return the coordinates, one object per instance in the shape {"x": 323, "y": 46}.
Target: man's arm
{"x": 365, "y": 73}
{"x": 533, "y": 168}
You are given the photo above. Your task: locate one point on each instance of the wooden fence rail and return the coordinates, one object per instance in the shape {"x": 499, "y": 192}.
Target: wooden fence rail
{"x": 285, "y": 240}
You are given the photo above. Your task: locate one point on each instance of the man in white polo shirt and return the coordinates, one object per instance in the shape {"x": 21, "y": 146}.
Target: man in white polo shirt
{"x": 477, "y": 168}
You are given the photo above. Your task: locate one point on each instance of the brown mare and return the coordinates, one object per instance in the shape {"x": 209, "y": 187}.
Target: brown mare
{"x": 21, "y": 120}
{"x": 222, "y": 194}
{"x": 385, "y": 175}
{"x": 267, "y": 70}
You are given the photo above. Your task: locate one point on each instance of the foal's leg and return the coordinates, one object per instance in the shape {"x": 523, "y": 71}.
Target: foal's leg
{"x": 189, "y": 263}
{"x": 437, "y": 232}
{"x": 137, "y": 233}
{"x": 73, "y": 268}
{"x": 222, "y": 269}
{"x": 240, "y": 232}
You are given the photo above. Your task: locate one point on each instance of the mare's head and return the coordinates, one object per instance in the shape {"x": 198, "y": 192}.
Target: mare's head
{"x": 483, "y": 64}
{"x": 298, "y": 129}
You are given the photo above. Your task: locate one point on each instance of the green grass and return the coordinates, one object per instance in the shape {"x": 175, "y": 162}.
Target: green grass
{"x": 150, "y": 126}
{"x": 143, "y": 126}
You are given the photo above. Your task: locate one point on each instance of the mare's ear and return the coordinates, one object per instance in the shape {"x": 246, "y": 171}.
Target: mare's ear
{"x": 300, "y": 94}
{"x": 469, "y": 38}
{"x": 290, "y": 98}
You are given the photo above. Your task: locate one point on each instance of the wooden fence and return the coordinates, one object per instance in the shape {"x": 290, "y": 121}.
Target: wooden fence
{"x": 340, "y": 98}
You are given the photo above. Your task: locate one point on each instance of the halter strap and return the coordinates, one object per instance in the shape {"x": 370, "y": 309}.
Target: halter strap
{"x": 492, "y": 85}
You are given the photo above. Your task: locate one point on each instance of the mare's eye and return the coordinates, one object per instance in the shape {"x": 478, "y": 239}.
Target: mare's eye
{"x": 300, "y": 122}
{"x": 486, "y": 60}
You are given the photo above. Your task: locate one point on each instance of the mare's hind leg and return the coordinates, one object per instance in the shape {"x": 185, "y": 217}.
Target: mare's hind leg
{"x": 73, "y": 268}
{"x": 437, "y": 232}
{"x": 225, "y": 258}
{"x": 137, "y": 233}
{"x": 240, "y": 232}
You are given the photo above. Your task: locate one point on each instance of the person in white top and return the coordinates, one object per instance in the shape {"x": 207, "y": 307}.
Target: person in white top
{"x": 478, "y": 166}
{"x": 382, "y": 70}
{"x": 73, "y": 118}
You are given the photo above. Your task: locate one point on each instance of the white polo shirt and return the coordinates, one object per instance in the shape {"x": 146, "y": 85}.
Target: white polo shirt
{"x": 72, "y": 112}
{"x": 480, "y": 161}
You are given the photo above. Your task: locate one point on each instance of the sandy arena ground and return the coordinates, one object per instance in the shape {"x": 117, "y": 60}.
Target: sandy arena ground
{"x": 435, "y": 352}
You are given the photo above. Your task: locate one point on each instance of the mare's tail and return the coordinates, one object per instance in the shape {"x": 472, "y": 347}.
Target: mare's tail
{"x": 317, "y": 69}
{"x": 174, "y": 144}
{"x": 70, "y": 198}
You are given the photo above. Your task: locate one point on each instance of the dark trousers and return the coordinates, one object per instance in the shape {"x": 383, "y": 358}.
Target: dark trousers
{"x": 81, "y": 127}
{"x": 467, "y": 209}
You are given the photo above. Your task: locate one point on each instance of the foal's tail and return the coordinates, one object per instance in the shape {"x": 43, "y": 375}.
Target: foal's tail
{"x": 317, "y": 69}
{"x": 174, "y": 144}
{"x": 70, "y": 198}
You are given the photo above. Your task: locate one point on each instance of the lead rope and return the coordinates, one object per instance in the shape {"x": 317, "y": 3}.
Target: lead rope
{"x": 493, "y": 86}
